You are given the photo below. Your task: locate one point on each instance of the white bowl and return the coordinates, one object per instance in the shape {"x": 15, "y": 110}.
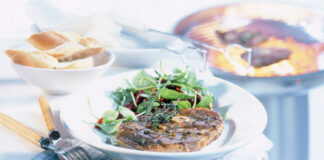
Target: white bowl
{"x": 141, "y": 57}
{"x": 63, "y": 81}
{"x": 137, "y": 58}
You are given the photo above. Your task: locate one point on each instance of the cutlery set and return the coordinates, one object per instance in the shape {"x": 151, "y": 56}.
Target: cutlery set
{"x": 62, "y": 147}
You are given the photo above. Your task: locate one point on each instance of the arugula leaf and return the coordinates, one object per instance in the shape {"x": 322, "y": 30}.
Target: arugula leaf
{"x": 205, "y": 101}
{"x": 177, "y": 71}
{"x": 187, "y": 90}
{"x": 151, "y": 106}
{"x": 183, "y": 104}
{"x": 143, "y": 79}
{"x": 128, "y": 84}
{"x": 155, "y": 87}
{"x": 122, "y": 95}
{"x": 146, "y": 95}
{"x": 110, "y": 127}
{"x": 156, "y": 104}
{"x": 142, "y": 106}
{"x": 157, "y": 73}
{"x": 173, "y": 95}
{"x": 127, "y": 113}
{"x": 179, "y": 76}
{"x": 191, "y": 78}
{"x": 109, "y": 116}
{"x": 147, "y": 106}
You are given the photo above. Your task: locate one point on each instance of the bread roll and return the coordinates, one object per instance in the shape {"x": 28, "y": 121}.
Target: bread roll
{"x": 58, "y": 51}
{"x": 32, "y": 58}
{"x": 47, "y": 40}
{"x": 65, "y": 47}
{"x": 77, "y": 64}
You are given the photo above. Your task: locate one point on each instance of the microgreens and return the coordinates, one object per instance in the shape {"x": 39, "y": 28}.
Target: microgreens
{"x": 160, "y": 96}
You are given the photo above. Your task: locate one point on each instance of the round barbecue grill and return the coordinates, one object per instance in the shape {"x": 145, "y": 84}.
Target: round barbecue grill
{"x": 285, "y": 96}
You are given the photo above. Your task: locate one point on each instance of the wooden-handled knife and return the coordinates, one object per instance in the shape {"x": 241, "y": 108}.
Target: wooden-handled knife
{"x": 24, "y": 131}
{"x": 48, "y": 117}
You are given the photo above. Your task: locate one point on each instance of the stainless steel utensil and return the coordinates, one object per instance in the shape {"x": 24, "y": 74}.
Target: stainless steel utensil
{"x": 152, "y": 38}
{"x": 53, "y": 133}
{"x": 182, "y": 46}
{"x": 70, "y": 153}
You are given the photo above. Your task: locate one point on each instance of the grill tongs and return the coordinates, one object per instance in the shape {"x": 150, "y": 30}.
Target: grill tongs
{"x": 183, "y": 46}
{"x": 68, "y": 153}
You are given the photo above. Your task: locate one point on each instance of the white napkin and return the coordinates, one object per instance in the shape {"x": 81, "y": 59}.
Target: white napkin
{"x": 47, "y": 17}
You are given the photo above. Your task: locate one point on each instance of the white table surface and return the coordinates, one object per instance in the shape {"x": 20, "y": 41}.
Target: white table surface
{"x": 19, "y": 100}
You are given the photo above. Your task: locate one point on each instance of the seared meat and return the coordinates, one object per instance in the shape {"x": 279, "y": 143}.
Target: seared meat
{"x": 245, "y": 38}
{"x": 266, "y": 56}
{"x": 190, "y": 130}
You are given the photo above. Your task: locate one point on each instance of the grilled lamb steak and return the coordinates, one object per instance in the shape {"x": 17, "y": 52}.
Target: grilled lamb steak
{"x": 189, "y": 130}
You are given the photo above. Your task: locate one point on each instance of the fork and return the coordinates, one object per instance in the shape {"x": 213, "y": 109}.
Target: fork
{"x": 70, "y": 153}
{"x": 53, "y": 133}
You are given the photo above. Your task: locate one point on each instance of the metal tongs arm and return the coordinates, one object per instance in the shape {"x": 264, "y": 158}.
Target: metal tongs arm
{"x": 175, "y": 44}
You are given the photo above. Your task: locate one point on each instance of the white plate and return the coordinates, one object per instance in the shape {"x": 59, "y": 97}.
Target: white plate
{"x": 246, "y": 119}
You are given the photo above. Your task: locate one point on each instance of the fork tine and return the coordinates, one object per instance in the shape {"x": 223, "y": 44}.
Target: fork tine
{"x": 77, "y": 154}
{"x": 71, "y": 155}
{"x": 84, "y": 153}
{"x": 62, "y": 157}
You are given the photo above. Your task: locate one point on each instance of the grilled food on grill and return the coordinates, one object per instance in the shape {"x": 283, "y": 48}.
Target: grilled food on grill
{"x": 266, "y": 56}
{"x": 245, "y": 38}
{"x": 189, "y": 130}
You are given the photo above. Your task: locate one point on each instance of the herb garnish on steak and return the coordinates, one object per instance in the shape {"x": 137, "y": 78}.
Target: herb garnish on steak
{"x": 189, "y": 130}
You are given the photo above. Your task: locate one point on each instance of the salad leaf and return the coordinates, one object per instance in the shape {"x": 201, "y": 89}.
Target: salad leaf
{"x": 127, "y": 113}
{"x": 173, "y": 95}
{"x": 179, "y": 76}
{"x": 110, "y": 127}
{"x": 147, "y": 106}
{"x": 142, "y": 107}
{"x": 191, "y": 78}
{"x": 188, "y": 91}
{"x": 143, "y": 79}
{"x": 206, "y": 101}
{"x": 110, "y": 115}
{"x": 122, "y": 96}
{"x": 183, "y": 104}
{"x": 151, "y": 106}
{"x": 162, "y": 93}
{"x": 157, "y": 73}
{"x": 177, "y": 71}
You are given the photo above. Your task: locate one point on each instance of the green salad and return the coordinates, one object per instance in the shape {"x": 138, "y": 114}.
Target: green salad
{"x": 159, "y": 96}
